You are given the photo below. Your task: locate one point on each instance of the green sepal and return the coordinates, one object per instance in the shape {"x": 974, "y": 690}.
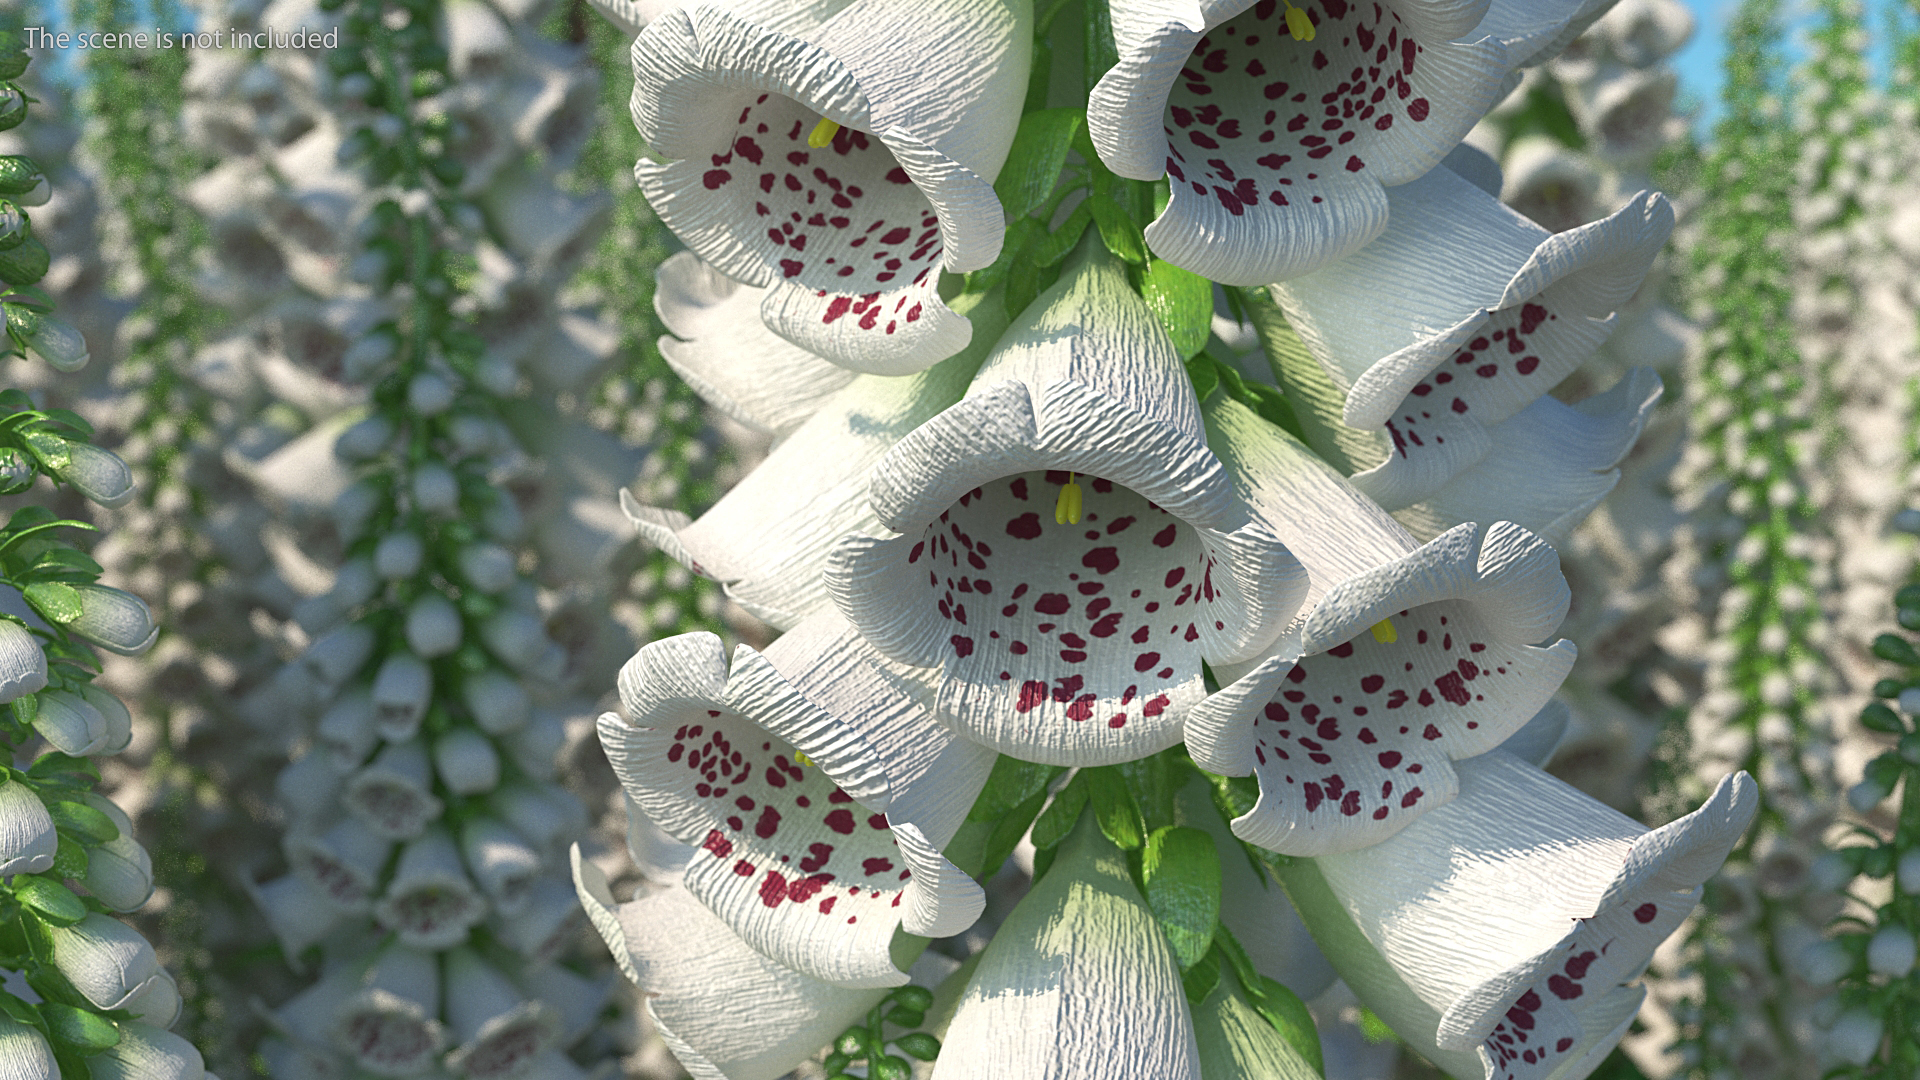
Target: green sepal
{"x": 1895, "y": 649}
{"x": 1908, "y": 596}
{"x": 19, "y": 1011}
{"x": 1204, "y": 374}
{"x": 916, "y": 998}
{"x": 1007, "y": 832}
{"x": 50, "y": 449}
{"x": 1021, "y": 235}
{"x": 13, "y": 56}
{"x": 52, "y": 901}
{"x": 1888, "y": 688}
{"x": 13, "y": 106}
{"x": 1118, "y": 230}
{"x": 25, "y": 264}
{"x": 920, "y": 1045}
{"x": 1034, "y": 161}
{"x": 1099, "y": 49}
{"x": 65, "y": 770}
{"x": 82, "y": 820}
{"x": 1199, "y": 980}
{"x": 1878, "y": 717}
{"x": 56, "y": 601}
{"x": 1053, "y": 248}
{"x": 1058, "y": 819}
{"x": 1181, "y": 869}
{"x": 71, "y": 419}
{"x": 70, "y": 859}
{"x": 25, "y": 708}
{"x": 890, "y": 1068}
{"x": 28, "y": 298}
{"x": 88, "y": 1032}
{"x": 1011, "y": 783}
{"x": 1278, "y": 1005}
{"x": 907, "y": 1018}
{"x": 1183, "y": 302}
{"x": 1152, "y": 781}
{"x": 18, "y": 175}
{"x": 1118, "y": 815}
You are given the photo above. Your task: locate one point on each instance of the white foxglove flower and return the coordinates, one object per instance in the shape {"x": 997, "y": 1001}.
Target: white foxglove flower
{"x": 300, "y": 915}
{"x": 1411, "y": 658}
{"x": 1550, "y": 463}
{"x": 466, "y": 762}
{"x": 119, "y": 719}
{"x": 50, "y": 339}
{"x": 501, "y": 862}
{"x": 1549, "y": 183}
{"x": 1072, "y": 639}
{"x": 70, "y": 725}
{"x": 575, "y": 999}
{"x": 1461, "y": 314}
{"x": 487, "y": 567}
{"x": 120, "y": 873}
{"x": 543, "y": 813}
{"x": 114, "y": 619}
{"x": 98, "y": 474}
{"x": 106, "y": 960}
{"x": 159, "y": 1004}
{"x": 700, "y": 981}
{"x": 24, "y": 1053}
{"x": 813, "y": 865}
{"x": 335, "y": 656}
{"x": 398, "y": 555}
{"x": 431, "y": 903}
{"x": 345, "y": 732}
{"x": 1497, "y": 933}
{"x": 145, "y": 1052}
{"x": 1279, "y": 151}
{"x": 402, "y": 689}
{"x": 517, "y": 638}
{"x": 498, "y": 1029}
{"x": 1890, "y": 951}
{"x": 23, "y": 664}
{"x": 390, "y": 1025}
{"x": 721, "y": 348}
{"x": 1856, "y": 1036}
{"x": 393, "y": 794}
{"x": 433, "y": 626}
{"x": 27, "y": 840}
{"x": 343, "y": 864}
{"x": 435, "y": 489}
{"x": 767, "y": 539}
{"x": 498, "y": 702}
{"x": 1077, "y": 983}
{"x": 914, "y": 106}
{"x": 547, "y": 926}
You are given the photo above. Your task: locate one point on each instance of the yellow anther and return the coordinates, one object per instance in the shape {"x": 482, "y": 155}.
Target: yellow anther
{"x": 1384, "y": 633}
{"x": 1067, "y": 510}
{"x": 825, "y": 130}
{"x": 1298, "y": 24}
{"x": 804, "y": 760}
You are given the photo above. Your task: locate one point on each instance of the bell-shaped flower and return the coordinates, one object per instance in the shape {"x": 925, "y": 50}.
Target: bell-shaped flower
{"x": 1077, "y": 983}
{"x": 339, "y": 654}
{"x": 106, "y": 960}
{"x": 23, "y": 664}
{"x": 545, "y": 927}
{"x": 1069, "y": 620}
{"x": 841, "y": 164}
{"x": 1549, "y": 466}
{"x": 433, "y": 626}
{"x": 98, "y": 474}
{"x": 402, "y": 688}
{"x": 1279, "y": 151}
{"x": 114, "y": 619}
{"x": 345, "y": 734}
{"x": 389, "y": 1026}
{"x": 500, "y": 1031}
{"x": 118, "y": 717}
{"x": 719, "y": 346}
{"x": 343, "y": 863}
{"x": 27, "y": 839}
{"x": 120, "y": 873}
{"x": 146, "y": 1052}
{"x": 767, "y": 540}
{"x": 816, "y": 865}
{"x": 24, "y": 1052}
{"x": 1461, "y": 314}
{"x": 501, "y": 862}
{"x": 1411, "y": 658}
{"x": 1497, "y": 933}
{"x": 50, "y": 338}
{"x": 498, "y": 702}
{"x": 578, "y": 1000}
{"x": 299, "y": 914}
{"x": 466, "y": 762}
{"x": 71, "y": 725}
{"x": 393, "y": 794}
{"x": 723, "y": 1007}
{"x": 431, "y": 903}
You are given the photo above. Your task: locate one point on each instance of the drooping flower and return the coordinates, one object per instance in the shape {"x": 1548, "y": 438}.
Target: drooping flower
{"x": 1077, "y": 983}
{"x": 841, "y": 157}
{"x": 1497, "y": 933}
{"x": 1279, "y": 151}
{"x": 1409, "y": 657}
{"x": 819, "y": 865}
{"x": 23, "y": 664}
{"x": 1461, "y": 314}
{"x": 146, "y": 1052}
{"x": 27, "y": 838}
{"x": 1079, "y": 640}
{"x": 107, "y": 961}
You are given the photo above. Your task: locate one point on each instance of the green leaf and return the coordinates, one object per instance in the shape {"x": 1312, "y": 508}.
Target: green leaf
{"x": 1034, "y": 161}
{"x": 1289, "y": 1016}
{"x": 71, "y": 419}
{"x": 1204, "y": 374}
{"x": 1007, "y": 832}
{"x": 1181, "y": 869}
{"x": 1058, "y": 244}
{"x": 920, "y": 1045}
{"x": 70, "y": 859}
{"x": 1199, "y": 980}
{"x": 1025, "y": 281}
{"x": 1183, "y": 302}
{"x": 19, "y": 1010}
{"x": 1021, "y": 237}
{"x": 49, "y": 899}
{"x": 1894, "y": 648}
{"x": 57, "y": 601}
{"x": 1011, "y": 783}
{"x": 50, "y": 449}
{"x": 82, "y": 820}
{"x": 1273, "y": 407}
{"x": 1877, "y": 717}
{"x": 1058, "y": 819}
{"x": 1374, "y": 1029}
{"x": 1099, "y": 49}
{"x": 28, "y": 516}
{"x": 86, "y": 1031}
{"x": 68, "y": 558}
{"x": 25, "y": 708}
{"x": 1153, "y": 782}
{"x": 917, "y": 998}
{"x": 1118, "y": 230}
{"x": 1113, "y": 807}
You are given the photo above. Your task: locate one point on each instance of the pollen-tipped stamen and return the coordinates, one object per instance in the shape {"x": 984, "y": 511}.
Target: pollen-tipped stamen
{"x": 823, "y": 133}
{"x": 1299, "y": 24}
{"x": 1067, "y": 510}
{"x": 1384, "y": 633}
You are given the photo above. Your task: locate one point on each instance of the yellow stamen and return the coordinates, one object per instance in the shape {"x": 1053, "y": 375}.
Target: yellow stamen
{"x": 804, "y": 760}
{"x": 825, "y": 130}
{"x": 1384, "y": 633}
{"x": 1067, "y": 510}
{"x": 1298, "y": 24}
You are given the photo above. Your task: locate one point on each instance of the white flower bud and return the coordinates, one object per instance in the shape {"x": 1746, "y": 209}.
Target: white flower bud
{"x": 338, "y": 654}
{"x": 497, "y": 375}
{"x": 299, "y": 915}
{"x": 120, "y": 873}
{"x": 435, "y": 489}
{"x": 517, "y": 638}
{"x": 466, "y": 762}
{"x": 1907, "y": 873}
{"x": 98, "y": 474}
{"x": 1908, "y": 520}
{"x": 1830, "y": 872}
{"x": 430, "y": 393}
{"x": 146, "y": 1052}
{"x": 366, "y": 356}
{"x": 1866, "y": 795}
{"x": 365, "y": 440}
{"x": 52, "y": 339}
{"x": 502, "y": 520}
{"x": 431, "y": 903}
{"x": 471, "y": 434}
{"x": 159, "y": 1004}
{"x": 105, "y": 959}
{"x": 27, "y": 840}
{"x": 536, "y": 747}
{"x": 550, "y": 920}
{"x": 398, "y": 555}
{"x": 119, "y": 719}
{"x": 401, "y": 692}
{"x": 394, "y": 793}
{"x": 23, "y": 664}
{"x": 114, "y": 619}
{"x": 1823, "y": 963}
{"x": 344, "y": 733}
{"x": 24, "y": 1052}
{"x": 1855, "y": 1036}
{"x": 433, "y": 626}
{"x": 309, "y": 785}
{"x": 352, "y": 508}
{"x": 501, "y": 861}
{"x": 1891, "y": 951}
{"x": 543, "y": 813}
{"x": 500, "y": 1031}
{"x": 70, "y": 725}
{"x": 498, "y": 702}
{"x": 487, "y": 567}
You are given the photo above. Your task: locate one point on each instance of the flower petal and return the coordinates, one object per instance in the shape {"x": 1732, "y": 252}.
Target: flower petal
{"x": 849, "y": 238}
{"x": 1277, "y": 150}
{"x": 729, "y": 357}
{"x": 727, "y": 1012}
{"x": 792, "y": 864}
{"x": 767, "y": 540}
{"x": 968, "y": 491}
{"x": 1077, "y": 983}
{"x": 1550, "y": 464}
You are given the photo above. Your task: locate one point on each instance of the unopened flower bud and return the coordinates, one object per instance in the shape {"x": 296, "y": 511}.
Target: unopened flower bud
{"x": 26, "y": 1051}
{"x": 146, "y": 1051}
{"x": 430, "y": 393}
{"x": 435, "y": 489}
{"x": 49, "y": 338}
{"x": 487, "y": 567}
{"x": 338, "y": 654}
{"x": 398, "y": 555}
{"x": 471, "y": 434}
{"x": 1855, "y": 1036}
{"x": 401, "y": 692}
{"x": 502, "y": 520}
{"x": 105, "y": 959}
{"x": 70, "y": 725}
{"x": 1866, "y": 795}
{"x": 119, "y": 719}
{"x": 1823, "y": 963}
{"x": 115, "y": 620}
{"x": 498, "y": 702}
{"x": 27, "y": 840}
{"x": 353, "y": 508}
{"x": 1891, "y": 951}
{"x": 433, "y": 626}
{"x": 365, "y": 440}
{"x": 466, "y": 762}
{"x": 98, "y": 474}
{"x": 366, "y": 356}
{"x": 23, "y": 664}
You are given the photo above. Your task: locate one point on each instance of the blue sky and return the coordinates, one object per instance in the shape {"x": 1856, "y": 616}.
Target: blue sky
{"x": 1699, "y": 63}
